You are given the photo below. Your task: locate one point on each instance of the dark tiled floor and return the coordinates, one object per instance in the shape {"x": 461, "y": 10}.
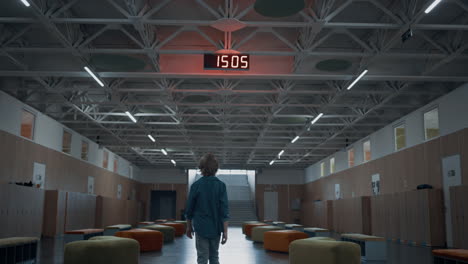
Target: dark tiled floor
{"x": 238, "y": 250}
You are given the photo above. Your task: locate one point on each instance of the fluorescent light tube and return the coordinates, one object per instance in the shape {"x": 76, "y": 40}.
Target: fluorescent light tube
{"x": 432, "y": 6}
{"x": 271, "y": 162}
{"x": 130, "y": 116}
{"x": 281, "y": 153}
{"x": 164, "y": 151}
{"x": 357, "y": 79}
{"x": 316, "y": 118}
{"x": 173, "y": 162}
{"x": 94, "y": 76}
{"x": 295, "y": 139}
{"x": 152, "y": 138}
{"x": 26, "y": 3}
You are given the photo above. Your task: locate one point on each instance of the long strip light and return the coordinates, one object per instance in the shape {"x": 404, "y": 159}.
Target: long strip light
{"x": 280, "y": 153}
{"x": 131, "y": 116}
{"x": 316, "y": 118}
{"x": 271, "y": 162}
{"x": 357, "y": 79}
{"x": 164, "y": 151}
{"x": 26, "y": 3}
{"x": 295, "y": 139}
{"x": 432, "y": 6}
{"x": 94, "y": 76}
{"x": 152, "y": 138}
{"x": 173, "y": 162}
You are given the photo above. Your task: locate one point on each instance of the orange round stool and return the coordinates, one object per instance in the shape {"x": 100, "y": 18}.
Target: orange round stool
{"x": 451, "y": 254}
{"x": 248, "y": 228}
{"x": 179, "y": 228}
{"x": 149, "y": 240}
{"x": 279, "y": 240}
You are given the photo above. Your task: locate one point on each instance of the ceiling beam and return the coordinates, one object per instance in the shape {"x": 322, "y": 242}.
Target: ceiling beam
{"x": 234, "y": 76}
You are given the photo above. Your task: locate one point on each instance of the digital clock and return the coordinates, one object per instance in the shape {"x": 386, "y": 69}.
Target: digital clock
{"x": 226, "y": 62}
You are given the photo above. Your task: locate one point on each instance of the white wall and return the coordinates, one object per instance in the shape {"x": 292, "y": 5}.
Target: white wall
{"x": 452, "y": 117}
{"x": 48, "y": 133}
{"x": 173, "y": 176}
{"x": 280, "y": 176}
{"x": 251, "y": 178}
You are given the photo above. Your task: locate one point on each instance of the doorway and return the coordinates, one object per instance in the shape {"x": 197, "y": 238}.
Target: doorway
{"x": 163, "y": 205}
{"x": 271, "y": 205}
{"x": 451, "y": 170}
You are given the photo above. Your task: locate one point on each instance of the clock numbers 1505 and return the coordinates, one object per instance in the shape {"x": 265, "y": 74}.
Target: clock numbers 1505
{"x": 232, "y": 62}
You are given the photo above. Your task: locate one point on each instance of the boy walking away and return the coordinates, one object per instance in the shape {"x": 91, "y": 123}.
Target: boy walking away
{"x": 207, "y": 212}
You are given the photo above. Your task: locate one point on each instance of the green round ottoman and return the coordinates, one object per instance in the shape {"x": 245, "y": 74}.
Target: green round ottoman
{"x": 168, "y": 231}
{"x": 323, "y": 250}
{"x": 258, "y": 232}
{"x": 102, "y": 249}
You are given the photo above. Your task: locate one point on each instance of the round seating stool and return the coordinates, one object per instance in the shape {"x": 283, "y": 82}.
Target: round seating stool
{"x": 249, "y": 222}
{"x": 324, "y": 250}
{"x": 441, "y": 255}
{"x": 249, "y": 227}
{"x": 179, "y": 228}
{"x": 102, "y": 249}
{"x": 149, "y": 240}
{"x": 279, "y": 240}
{"x": 259, "y": 232}
{"x": 182, "y": 222}
{"x": 168, "y": 231}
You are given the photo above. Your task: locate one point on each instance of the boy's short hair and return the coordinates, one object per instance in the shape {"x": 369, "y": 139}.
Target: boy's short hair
{"x": 208, "y": 165}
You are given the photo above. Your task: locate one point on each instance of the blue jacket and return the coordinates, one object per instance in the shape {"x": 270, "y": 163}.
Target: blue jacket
{"x": 207, "y": 206}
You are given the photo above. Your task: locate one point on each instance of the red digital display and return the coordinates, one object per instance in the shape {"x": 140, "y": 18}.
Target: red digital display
{"x": 227, "y": 62}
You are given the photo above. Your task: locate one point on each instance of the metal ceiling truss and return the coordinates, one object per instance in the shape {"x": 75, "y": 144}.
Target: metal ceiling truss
{"x": 245, "y": 119}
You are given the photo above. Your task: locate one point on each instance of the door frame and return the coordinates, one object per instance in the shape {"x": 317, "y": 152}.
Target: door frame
{"x": 156, "y": 214}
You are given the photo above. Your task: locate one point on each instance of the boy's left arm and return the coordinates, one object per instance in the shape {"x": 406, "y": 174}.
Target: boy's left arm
{"x": 225, "y": 214}
{"x": 189, "y": 212}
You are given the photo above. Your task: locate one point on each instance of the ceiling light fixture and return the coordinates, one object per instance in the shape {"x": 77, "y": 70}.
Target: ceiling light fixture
{"x": 131, "y": 116}
{"x": 271, "y": 162}
{"x": 26, "y": 3}
{"x": 94, "y": 76}
{"x": 432, "y": 6}
{"x": 164, "y": 151}
{"x": 316, "y": 118}
{"x": 173, "y": 162}
{"x": 152, "y": 138}
{"x": 281, "y": 153}
{"x": 295, "y": 139}
{"x": 357, "y": 79}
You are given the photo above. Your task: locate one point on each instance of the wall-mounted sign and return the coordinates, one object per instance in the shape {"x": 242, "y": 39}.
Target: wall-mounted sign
{"x": 119, "y": 191}
{"x": 226, "y": 62}
{"x": 39, "y": 175}
{"x": 337, "y": 191}
{"x": 90, "y": 185}
{"x": 376, "y": 184}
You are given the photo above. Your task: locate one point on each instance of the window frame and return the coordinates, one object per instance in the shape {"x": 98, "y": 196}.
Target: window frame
{"x": 354, "y": 157}
{"x": 116, "y": 164}
{"x": 322, "y": 169}
{"x": 332, "y": 165}
{"x": 71, "y": 139}
{"x": 105, "y": 154}
{"x": 364, "y": 150}
{"x": 33, "y": 127}
{"x": 399, "y": 125}
{"x": 435, "y": 107}
{"x": 83, "y": 142}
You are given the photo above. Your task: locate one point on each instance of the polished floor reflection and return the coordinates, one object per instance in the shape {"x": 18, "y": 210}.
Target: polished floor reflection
{"x": 238, "y": 250}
